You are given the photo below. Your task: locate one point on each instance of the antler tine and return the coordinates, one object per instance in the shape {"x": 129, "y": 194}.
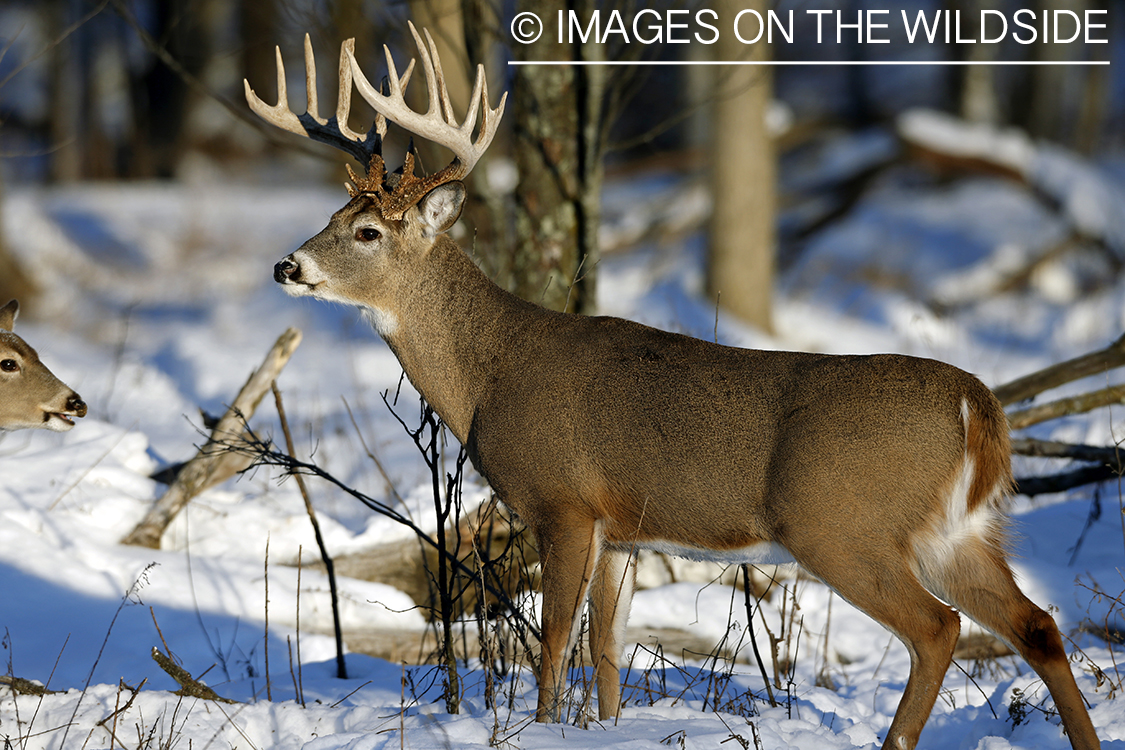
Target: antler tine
{"x": 392, "y": 74}
{"x": 311, "y": 107}
{"x": 438, "y": 123}
{"x": 490, "y": 118}
{"x": 311, "y": 125}
{"x": 279, "y": 114}
{"x": 479, "y": 85}
{"x": 344, "y": 98}
{"x": 428, "y": 70}
{"x": 439, "y": 79}
{"x": 397, "y": 85}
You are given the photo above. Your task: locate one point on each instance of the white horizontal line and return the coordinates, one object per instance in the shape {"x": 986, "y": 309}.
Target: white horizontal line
{"x": 626, "y": 63}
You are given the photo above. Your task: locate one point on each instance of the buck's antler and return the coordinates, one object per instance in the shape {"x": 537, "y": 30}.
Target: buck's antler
{"x": 432, "y": 125}
{"x": 335, "y": 131}
{"x": 438, "y": 124}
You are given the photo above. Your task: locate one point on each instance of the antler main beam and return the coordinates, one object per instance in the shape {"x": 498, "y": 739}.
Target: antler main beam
{"x": 333, "y": 131}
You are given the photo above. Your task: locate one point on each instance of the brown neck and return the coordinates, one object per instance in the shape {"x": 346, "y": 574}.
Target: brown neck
{"x": 452, "y": 326}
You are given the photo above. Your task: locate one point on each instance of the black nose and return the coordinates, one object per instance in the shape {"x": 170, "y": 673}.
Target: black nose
{"x": 283, "y": 270}
{"x": 77, "y": 405}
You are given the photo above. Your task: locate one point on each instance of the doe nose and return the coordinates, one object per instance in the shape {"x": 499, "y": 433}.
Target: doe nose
{"x": 77, "y": 405}
{"x": 283, "y": 270}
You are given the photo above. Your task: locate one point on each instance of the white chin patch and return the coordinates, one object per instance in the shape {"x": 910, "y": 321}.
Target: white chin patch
{"x": 58, "y": 423}
{"x": 384, "y": 322}
{"x": 297, "y": 290}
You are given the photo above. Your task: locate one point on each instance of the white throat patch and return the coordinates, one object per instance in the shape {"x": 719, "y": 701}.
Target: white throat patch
{"x": 384, "y": 322}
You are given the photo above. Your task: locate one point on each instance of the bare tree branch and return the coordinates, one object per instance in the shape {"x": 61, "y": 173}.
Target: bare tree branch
{"x": 50, "y": 45}
{"x": 239, "y": 112}
{"x": 1111, "y": 357}
{"x": 1052, "y": 449}
{"x": 1067, "y": 406}
{"x": 262, "y": 452}
{"x": 1108, "y": 465}
{"x": 1031, "y": 486}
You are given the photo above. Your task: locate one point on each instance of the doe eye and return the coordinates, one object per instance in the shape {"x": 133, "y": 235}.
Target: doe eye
{"x": 367, "y": 234}
{"x": 9, "y": 365}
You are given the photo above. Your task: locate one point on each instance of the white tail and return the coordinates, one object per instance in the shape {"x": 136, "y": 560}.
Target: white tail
{"x": 30, "y": 395}
{"x": 883, "y": 476}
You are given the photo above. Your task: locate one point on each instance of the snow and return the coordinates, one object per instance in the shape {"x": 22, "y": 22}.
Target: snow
{"x": 1088, "y": 197}
{"x": 160, "y": 302}
{"x": 1009, "y": 147}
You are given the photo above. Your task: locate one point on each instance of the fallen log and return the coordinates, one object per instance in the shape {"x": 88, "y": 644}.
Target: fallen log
{"x": 21, "y": 686}
{"x": 215, "y": 462}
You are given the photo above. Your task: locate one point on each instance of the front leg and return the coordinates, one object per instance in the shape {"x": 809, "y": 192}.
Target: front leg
{"x": 568, "y": 553}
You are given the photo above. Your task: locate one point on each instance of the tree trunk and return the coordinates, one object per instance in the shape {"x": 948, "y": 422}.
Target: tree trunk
{"x": 1056, "y": 90}
{"x": 558, "y": 153}
{"x": 488, "y": 210}
{"x": 68, "y": 102}
{"x": 591, "y": 147}
{"x": 164, "y": 104}
{"x": 740, "y": 265}
{"x": 979, "y": 100}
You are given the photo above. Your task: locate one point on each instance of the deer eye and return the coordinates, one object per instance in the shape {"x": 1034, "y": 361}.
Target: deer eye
{"x": 367, "y": 234}
{"x": 9, "y": 365}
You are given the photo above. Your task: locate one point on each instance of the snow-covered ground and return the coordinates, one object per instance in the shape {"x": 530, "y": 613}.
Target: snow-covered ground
{"x": 159, "y": 302}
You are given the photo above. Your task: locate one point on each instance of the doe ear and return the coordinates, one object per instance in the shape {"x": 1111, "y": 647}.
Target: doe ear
{"x": 8, "y": 315}
{"x": 441, "y": 207}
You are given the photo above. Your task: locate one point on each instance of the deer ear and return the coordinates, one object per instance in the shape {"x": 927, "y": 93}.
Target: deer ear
{"x": 441, "y": 207}
{"x": 8, "y": 315}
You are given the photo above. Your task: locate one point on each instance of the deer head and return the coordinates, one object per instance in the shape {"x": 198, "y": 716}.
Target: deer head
{"x": 371, "y": 247}
{"x": 30, "y": 395}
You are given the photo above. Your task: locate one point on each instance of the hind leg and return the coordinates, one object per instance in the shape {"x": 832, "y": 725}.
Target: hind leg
{"x": 984, "y": 589}
{"x": 611, "y": 593}
{"x": 881, "y": 583}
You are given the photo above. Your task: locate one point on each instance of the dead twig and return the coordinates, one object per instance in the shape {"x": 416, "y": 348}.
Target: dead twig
{"x": 329, "y": 567}
{"x": 189, "y": 686}
{"x": 262, "y": 453}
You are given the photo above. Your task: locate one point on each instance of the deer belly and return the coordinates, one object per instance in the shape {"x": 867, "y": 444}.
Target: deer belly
{"x": 761, "y": 553}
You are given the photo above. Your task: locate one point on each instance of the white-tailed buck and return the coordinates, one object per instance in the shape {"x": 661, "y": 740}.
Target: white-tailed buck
{"x": 30, "y": 395}
{"x": 884, "y": 476}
